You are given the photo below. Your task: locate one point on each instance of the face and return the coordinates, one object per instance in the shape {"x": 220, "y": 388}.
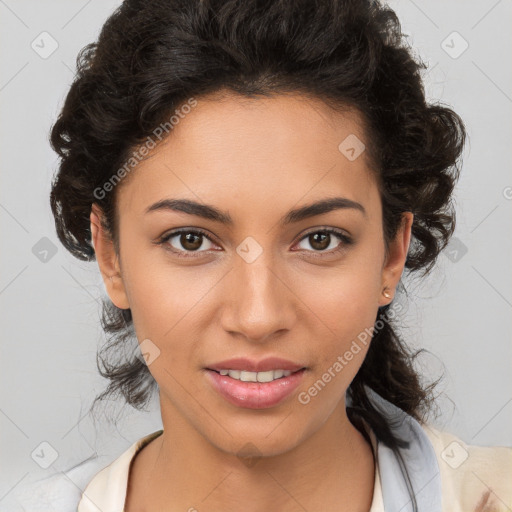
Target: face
{"x": 300, "y": 287}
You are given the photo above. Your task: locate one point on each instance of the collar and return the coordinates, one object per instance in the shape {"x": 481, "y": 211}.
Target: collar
{"x": 419, "y": 458}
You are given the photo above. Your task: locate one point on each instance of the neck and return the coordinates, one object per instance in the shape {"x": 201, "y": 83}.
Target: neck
{"x": 332, "y": 469}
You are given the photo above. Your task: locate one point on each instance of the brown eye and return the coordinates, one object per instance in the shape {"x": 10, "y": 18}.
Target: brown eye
{"x": 320, "y": 241}
{"x": 186, "y": 241}
{"x": 324, "y": 240}
{"x": 191, "y": 241}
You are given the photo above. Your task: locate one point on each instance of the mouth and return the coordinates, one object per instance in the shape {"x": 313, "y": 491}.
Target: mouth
{"x": 249, "y": 365}
{"x": 260, "y": 377}
{"x": 255, "y": 390}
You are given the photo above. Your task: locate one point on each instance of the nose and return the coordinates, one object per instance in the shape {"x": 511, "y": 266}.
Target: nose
{"x": 259, "y": 302}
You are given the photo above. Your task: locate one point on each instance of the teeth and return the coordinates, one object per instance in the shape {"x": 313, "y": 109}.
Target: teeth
{"x": 256, "y": 376}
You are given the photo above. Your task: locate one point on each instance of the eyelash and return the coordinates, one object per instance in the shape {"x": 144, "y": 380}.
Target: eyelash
{"x": 197, "y": 231}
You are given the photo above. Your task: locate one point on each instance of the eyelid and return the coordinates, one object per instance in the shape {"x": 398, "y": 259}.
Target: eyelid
{"x": 316, "y": 229}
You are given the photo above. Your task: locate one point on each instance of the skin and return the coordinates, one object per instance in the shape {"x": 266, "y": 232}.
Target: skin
{"x": 256, "y": 160}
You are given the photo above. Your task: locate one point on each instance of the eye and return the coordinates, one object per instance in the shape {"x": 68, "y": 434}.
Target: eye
{"x": 186, "y": 241}
{"x": 322, "y": 240}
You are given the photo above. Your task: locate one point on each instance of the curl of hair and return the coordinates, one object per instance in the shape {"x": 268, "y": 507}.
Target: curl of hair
{"x": 153, "y": 55}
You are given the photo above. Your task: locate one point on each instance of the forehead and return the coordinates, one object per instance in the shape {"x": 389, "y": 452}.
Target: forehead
{"x": 232, "y": 149}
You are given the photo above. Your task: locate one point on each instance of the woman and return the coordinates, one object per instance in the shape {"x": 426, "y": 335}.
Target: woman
{"x": 253, "y": 178}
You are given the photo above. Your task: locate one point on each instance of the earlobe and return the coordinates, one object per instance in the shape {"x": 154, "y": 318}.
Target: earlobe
{"x": 108, "y": 261}
{"x": 395, "y": 261}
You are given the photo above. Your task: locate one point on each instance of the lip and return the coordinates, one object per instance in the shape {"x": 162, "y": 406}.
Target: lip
{"x": 255, "y": 395}
{"x": 250, "y": 365}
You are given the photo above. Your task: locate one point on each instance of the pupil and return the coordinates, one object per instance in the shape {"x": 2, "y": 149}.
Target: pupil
{"x": 322, "y": 244}
{"x": 187, "y": 243}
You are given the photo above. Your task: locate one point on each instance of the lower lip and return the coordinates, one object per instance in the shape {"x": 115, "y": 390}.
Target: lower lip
{"x": 255, "y": 395}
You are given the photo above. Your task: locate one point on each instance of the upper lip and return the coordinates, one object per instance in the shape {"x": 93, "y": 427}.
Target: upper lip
{"x": 267, "y": 364}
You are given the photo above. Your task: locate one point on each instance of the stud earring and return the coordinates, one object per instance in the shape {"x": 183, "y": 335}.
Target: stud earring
{"x": 386, "y": 294}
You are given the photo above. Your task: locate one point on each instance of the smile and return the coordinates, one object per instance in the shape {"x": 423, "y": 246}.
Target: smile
{"x": 255, "y": 390}
{"x": 247, "y": 376}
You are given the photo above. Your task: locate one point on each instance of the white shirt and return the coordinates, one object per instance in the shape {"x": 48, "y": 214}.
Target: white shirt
{"x": 107, "y": 490}
{"x": 446, "y": 474}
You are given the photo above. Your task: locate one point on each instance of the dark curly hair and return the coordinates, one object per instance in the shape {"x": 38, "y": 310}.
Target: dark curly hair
{"x": 154, "y": 55}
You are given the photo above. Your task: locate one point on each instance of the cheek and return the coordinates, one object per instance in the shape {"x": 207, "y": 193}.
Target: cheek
{"x": 163, "y": 297}
{"x": 165, "y": 305}
{"x": 342, "y": 308}
{"x": 342, "y": 300}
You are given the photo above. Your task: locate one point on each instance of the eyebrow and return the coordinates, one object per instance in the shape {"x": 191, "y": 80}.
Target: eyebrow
{"x": 212, "y": 213}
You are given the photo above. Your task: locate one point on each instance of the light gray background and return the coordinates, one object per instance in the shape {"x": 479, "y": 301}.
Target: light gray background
{"x": 49, "y": 310}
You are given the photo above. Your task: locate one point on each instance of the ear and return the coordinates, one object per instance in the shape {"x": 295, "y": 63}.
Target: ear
{"x": 395, "y": 260}
{"x": 107, "y": 260}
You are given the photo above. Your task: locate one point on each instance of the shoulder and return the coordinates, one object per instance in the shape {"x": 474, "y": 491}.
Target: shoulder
{"x": 107, "y": 490}
{"x": 57, "y": 492}
{"x": 473, "y": 478}
{"x": 64, "y": 491}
